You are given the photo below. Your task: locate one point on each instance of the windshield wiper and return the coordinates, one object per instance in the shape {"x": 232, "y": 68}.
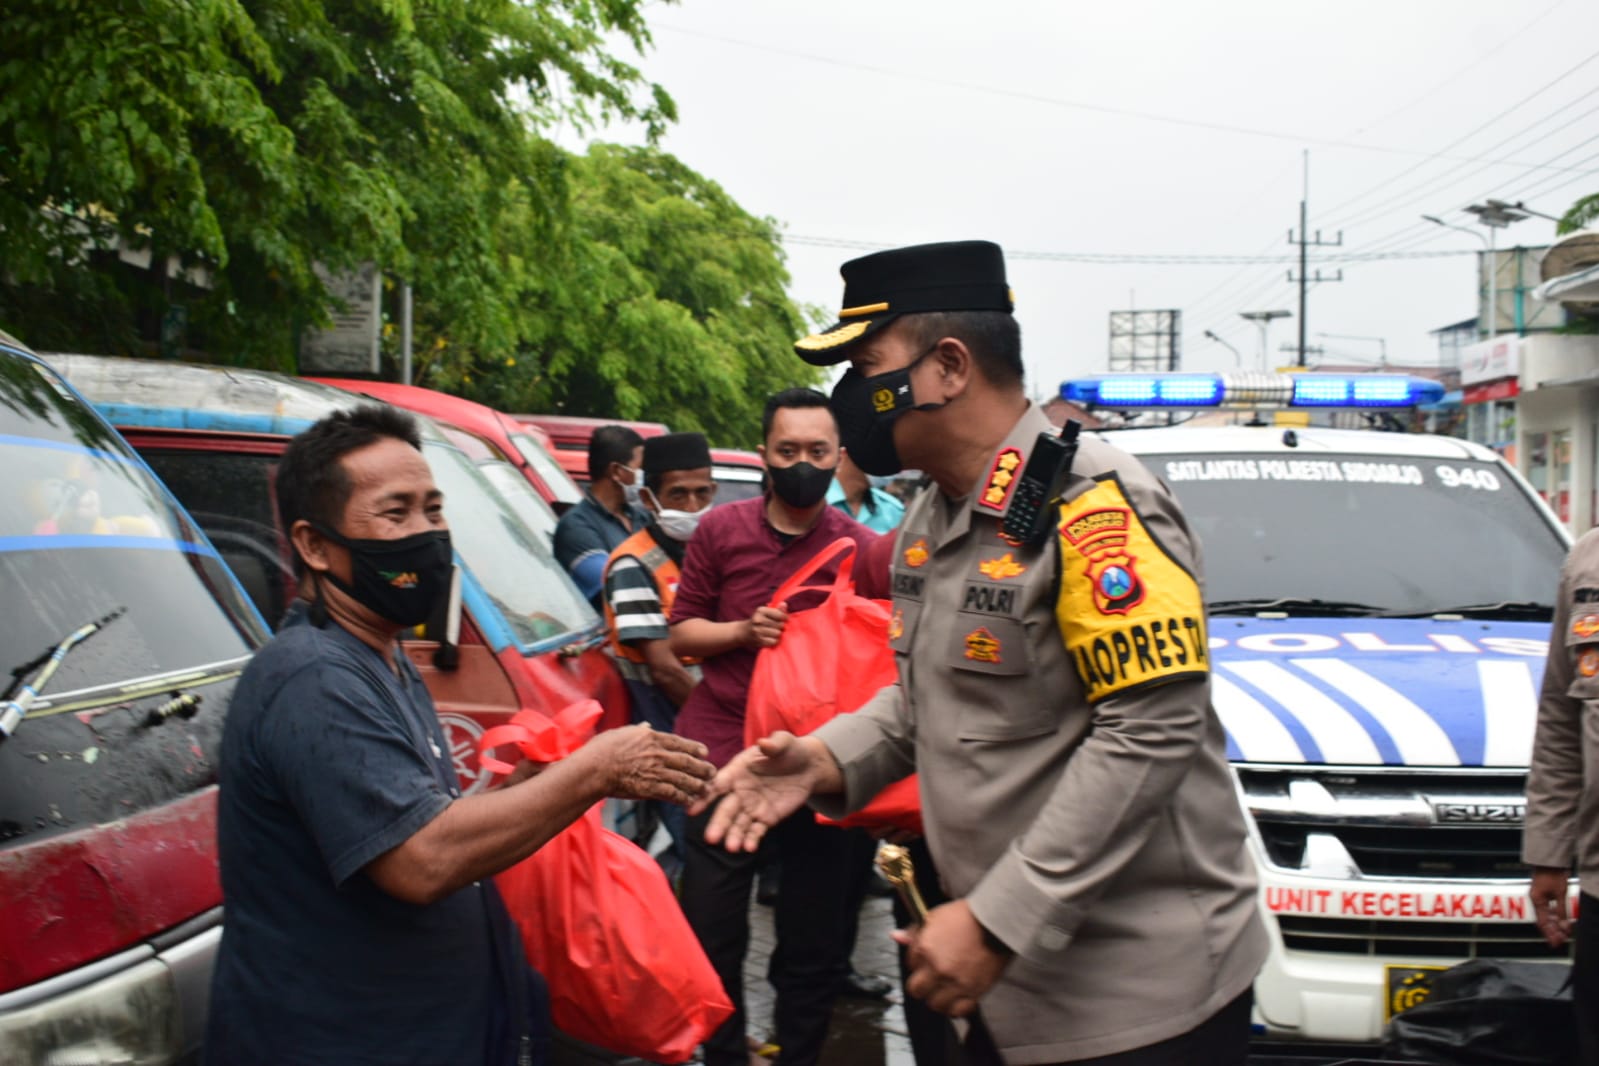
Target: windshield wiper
{"x": 1297, "y": 604}
{"x": 13, "y": 711}
{"x": 1539, "y": 612}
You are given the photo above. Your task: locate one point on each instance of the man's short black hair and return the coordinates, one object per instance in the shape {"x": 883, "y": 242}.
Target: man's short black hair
{"x": 993, "y": 337}
{"x": 790, "y": 398}
{"x": 611, "y": 444}
{"x": 312, "y": 484}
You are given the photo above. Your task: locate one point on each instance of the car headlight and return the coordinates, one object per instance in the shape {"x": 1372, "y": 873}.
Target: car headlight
{"x": 127, "y": 1019}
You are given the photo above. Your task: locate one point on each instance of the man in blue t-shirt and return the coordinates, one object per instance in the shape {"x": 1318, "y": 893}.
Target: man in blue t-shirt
{"x": 362, "y": 927}
{"x": 609, "y": 512}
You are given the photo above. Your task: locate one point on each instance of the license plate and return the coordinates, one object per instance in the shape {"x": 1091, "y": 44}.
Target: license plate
{"x": 1406, "y": 986}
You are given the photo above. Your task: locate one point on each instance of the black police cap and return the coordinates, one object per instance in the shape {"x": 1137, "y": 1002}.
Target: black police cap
{"x": 675, "y": 451}
{"x": 952, "y": 276}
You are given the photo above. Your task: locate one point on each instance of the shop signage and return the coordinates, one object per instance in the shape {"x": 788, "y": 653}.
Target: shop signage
{"x": 1503, "y": 389}
{"x": 1490, "y": 360}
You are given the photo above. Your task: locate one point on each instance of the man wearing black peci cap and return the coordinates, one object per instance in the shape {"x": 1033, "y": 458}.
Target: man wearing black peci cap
{"x": 1054, "y": 695}
{"x": 640, "y": 584}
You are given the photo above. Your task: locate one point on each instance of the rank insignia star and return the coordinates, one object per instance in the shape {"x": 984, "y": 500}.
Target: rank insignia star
{"x": 1001, "y": 568}
{"x": 1001, "y": 479}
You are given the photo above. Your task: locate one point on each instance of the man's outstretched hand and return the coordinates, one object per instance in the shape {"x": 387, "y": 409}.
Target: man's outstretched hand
{"x": 763, "y": 785}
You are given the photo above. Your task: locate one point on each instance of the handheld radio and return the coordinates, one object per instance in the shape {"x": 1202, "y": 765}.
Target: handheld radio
{"x": 1029, "y": 519}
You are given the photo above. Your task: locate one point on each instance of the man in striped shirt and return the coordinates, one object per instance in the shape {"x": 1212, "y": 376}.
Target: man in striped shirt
{"x": 641, "y": 582}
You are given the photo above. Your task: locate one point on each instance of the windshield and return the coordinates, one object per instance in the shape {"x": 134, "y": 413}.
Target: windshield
{"x": 1401, "y": 535}
{"x": 736, "y": 483}
{"x": 89, "y": 533}
{"x": 549, "y": 471}
{"x": 521, "y": 496}
{"x": 515, "y": 565}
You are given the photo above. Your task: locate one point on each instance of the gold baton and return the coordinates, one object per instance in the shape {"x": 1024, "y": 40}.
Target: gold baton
{"x": 895, "y": 863}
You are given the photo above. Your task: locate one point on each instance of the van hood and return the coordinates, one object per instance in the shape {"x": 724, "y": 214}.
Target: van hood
{"x": 1377, "y": 691}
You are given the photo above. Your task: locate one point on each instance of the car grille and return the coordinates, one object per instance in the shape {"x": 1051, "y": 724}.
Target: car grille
{"x": 1365, "y": 823}
{"x": 1447, "y": 940}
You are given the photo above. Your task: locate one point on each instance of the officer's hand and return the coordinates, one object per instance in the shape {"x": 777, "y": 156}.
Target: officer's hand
{"x": 762, "y": 786}
{"x": 952, "y": 967}
{"x": 765, "y": 626}
{"x": 638, "y": 763}
{"x": 1549, "y": 904}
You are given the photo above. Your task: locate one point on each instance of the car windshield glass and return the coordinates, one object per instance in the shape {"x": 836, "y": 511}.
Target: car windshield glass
{"x": 736, "y": 483}
{"x": 89, "y": 532}
{"x": 514, "y": 564}
{"x": 1395, "y": 534}
{"x": 548, "y": 470}
{"x": 524, "y": 500}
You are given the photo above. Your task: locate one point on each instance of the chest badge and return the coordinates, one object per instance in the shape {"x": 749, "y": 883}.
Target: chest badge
{"x": 1588, "y": 662}
{"x": 1001, "y": 568}
{"x": 1586, "y": 626}
{"x": 916, "y": 555}
{"x": 982, "y": 646}
{"x": 896, "y": 624}
{"x": 1001, "y": 478}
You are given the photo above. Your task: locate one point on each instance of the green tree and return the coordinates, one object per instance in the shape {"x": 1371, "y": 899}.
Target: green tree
{"x": 246, "y": 141}
{"x": 656, "y": 296}
{"x": 1582, "y": 213}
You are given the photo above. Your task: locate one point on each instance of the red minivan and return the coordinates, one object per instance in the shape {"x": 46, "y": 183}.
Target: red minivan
{"x": 121, "y": 638}
{"x": 525, "y": 446}
{"x": 523, "y": 636}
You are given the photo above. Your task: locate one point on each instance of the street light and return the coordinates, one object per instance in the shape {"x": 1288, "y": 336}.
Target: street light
{"x": 1263, "y": 320}
{"x": 1381, "y": 341}
{"x": 1238, "y": 357}
{"x": 1495, "y": 215}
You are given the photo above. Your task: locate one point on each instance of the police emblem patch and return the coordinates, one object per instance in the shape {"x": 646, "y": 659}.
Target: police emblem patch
{"x": 1001, "y": 479}
{"x": 1586, "y": 626}
{"x": 1001, "y": 568}
{"x": 1117, "y": 588}
{"x": 916, "y": 555}
{"x": 883, "y": 400}
{"x": 982, "y": 646}
{"x": 1588, "y": 662}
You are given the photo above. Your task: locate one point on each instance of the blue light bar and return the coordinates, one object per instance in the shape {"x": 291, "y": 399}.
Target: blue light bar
{"x": 1256, "y": 390}
{"x": 1146, "y": 390}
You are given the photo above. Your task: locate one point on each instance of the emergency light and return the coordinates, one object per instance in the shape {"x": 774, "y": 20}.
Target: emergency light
{"x": 1252, "y": 389}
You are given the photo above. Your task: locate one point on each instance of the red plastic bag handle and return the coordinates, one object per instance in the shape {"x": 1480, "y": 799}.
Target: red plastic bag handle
{"x": 539, "y": 737}
{"x": 797, "y": 580}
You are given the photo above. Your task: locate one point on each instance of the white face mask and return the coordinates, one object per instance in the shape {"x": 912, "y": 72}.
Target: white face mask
{"x": 631, "y": 491}
{"x": 679, "y": 525}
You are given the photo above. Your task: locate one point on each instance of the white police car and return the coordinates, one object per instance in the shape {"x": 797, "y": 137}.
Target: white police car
{"x": 1379, "y": 609}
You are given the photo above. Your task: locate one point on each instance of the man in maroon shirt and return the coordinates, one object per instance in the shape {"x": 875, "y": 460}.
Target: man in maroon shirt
{"x": 736, "y": 559}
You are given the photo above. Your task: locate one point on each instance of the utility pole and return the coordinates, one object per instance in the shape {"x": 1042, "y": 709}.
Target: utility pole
{"x": 1305, "y": 243}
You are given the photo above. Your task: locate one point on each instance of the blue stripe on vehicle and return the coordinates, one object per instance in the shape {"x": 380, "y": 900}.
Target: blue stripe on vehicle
{"x": 71, "y": 447}
{"x": 72, "y": 541}
{"x": 147, "y": 417}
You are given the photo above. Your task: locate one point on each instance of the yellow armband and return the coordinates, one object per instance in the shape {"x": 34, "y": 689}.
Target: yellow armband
{"x": 1129, "y": 613}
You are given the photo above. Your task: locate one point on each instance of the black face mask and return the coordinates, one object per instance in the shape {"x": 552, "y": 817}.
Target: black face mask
{"x": 866, "y": 409}
{"x": 402, "y": 580}
{"x": 801, "y": 485}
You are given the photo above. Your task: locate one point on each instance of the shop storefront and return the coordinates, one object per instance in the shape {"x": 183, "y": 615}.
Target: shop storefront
{"x": 1557, "y": 423}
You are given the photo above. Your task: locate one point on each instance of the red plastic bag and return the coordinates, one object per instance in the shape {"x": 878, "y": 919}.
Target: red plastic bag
{"x": 832, "y": 659}
{"x": 599, "y": 920}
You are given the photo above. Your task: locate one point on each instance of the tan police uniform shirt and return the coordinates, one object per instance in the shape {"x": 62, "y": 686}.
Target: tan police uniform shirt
{"x": 1563, "y": 788}
{"x": 1056, "y": 701}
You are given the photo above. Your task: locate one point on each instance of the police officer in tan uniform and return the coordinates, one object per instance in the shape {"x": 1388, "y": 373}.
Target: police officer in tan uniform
{"x": 1054, "y": 695}
{"x": 1562, "y": 829}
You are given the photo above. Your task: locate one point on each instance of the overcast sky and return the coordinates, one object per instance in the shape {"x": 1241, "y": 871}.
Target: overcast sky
{"x": 1154, "y": 128}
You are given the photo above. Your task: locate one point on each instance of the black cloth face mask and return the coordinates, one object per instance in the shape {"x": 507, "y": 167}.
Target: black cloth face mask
{"x": 402, "y": 580}
{"x": 866, "y": 409}
{"x": 801, "y": 485}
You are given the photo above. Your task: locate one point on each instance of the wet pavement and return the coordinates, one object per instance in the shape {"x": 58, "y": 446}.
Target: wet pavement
{"x": 864, "y": 1032}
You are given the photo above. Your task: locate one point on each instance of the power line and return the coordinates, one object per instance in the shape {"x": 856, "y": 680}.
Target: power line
{"x": 1468, "y": 135}
{"x": 1053, "y": 101}
{"x": 1133, "y": 258}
